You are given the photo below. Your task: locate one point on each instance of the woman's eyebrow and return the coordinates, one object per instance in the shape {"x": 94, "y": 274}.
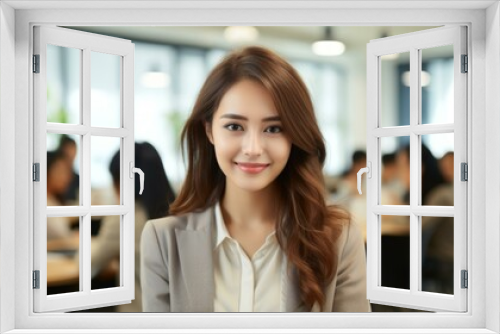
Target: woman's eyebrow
{"x": 243, "y": 118}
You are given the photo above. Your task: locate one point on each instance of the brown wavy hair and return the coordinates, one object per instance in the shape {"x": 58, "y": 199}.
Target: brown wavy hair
{"x": 306, "y": 227}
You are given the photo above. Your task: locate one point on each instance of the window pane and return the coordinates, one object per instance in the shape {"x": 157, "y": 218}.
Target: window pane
{"x": 63, "y": 84}
{"x": 437, "y": 254}
{"x": 395, "y": 251}
{"x": 63, "y": 165}
{"x": 437, "y": 84}
{"x": 105, "y": 191}
{"x": 63, "y": 272}
{"x": 395, "y": 170}
{"x": 437, "y": 169}
{"x": 106, "y": 252}
{"x": 395, "y": 89}
{"x": 105, "y": 96}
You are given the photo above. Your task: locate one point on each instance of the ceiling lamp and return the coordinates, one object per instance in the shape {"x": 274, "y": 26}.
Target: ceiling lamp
{"x": 425, "y": 78}
{"x": 328, "y": 46}
{"x": 241, "y": 34}
{"x": 154, "y": 78}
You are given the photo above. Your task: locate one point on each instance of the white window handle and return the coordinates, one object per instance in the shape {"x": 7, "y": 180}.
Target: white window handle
{"x": 367, "y": 170}
{"x": 133, "y": 170}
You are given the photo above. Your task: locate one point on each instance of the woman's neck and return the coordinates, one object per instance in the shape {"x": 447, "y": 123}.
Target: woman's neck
{"x": 249, "y": 209}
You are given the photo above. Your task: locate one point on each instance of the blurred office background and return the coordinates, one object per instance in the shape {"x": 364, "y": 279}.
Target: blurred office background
{"x": 171, "y": 64}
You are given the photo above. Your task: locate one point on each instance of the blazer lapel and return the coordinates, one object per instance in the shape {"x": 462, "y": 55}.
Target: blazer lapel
{"x": 195, "y": 254}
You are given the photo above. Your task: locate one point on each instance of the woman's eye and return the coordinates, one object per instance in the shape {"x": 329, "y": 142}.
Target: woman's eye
{"x": 233, "y": 127}
{"x": 274, "y": 129}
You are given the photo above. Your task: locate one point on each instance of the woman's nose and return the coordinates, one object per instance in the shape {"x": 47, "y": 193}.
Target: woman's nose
{"x": 252, "y": 145}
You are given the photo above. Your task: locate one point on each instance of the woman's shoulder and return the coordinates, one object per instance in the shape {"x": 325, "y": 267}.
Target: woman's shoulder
{"x": 196, "y": 220}
{"x": 346, "y": 231}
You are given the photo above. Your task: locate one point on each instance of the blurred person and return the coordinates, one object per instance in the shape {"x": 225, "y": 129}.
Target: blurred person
{"x": 446, "y": 166}
{"x": 347, "y": 191}
{"x": 251, "y": 230}
{"x": 392, "y": 190}
{"x": 58, "y": 179}
{"x": 431, "y": 176}
{"x": 67, "y": 148}
{"x": 153, "y": 203}
{"x": 348, "y": 185}
{"x": 439, "y": 253}
{"x": 437, "y": 232}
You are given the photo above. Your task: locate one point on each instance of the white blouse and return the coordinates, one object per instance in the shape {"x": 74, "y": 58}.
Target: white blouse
{"x": 243, "y": 284}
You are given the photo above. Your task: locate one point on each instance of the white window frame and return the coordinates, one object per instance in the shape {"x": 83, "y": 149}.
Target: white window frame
{"x": 414, "y": 43}
{"x": 86, "y": 43}
{"x": 16, "y": 21}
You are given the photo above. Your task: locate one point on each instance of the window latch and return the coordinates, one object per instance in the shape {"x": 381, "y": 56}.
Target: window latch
{"x": 368, "y": 171}
{"x": 133, "y": 170}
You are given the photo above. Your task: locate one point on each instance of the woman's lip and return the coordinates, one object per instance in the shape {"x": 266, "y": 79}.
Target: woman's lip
{"x": 251, "y": 168}
{"x": 251, "y": 165}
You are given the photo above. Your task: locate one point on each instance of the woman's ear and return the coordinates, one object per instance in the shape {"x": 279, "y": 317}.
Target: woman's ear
{"x": 208, "y": 131}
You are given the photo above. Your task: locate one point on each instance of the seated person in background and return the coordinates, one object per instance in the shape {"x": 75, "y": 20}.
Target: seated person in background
{"x": 153, "y": 203}
{"x": 58, "y": 180}
{"x": 67, "y": 147}
{"x": 438, "y": 233}
{"x": 348, "y": 185}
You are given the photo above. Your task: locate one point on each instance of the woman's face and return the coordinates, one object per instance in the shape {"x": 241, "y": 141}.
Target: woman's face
{"x": 250, "y": 145}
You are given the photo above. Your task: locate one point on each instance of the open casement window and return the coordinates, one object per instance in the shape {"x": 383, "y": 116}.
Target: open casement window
{"x": 426, "y": 120}
{"x": 96, "y": 125}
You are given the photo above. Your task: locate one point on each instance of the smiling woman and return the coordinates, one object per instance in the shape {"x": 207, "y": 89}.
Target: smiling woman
{"x": 251, "y": 230}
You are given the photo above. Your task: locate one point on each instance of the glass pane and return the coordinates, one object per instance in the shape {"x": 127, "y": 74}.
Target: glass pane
{"x": 63, "y": 166}
{"x": 106, "y": 252}
{"x": 63, "y": 271}
{"x": 437, "y": 254}
{"x": 395, "y": 251}
{"x": 437, "y": 169}
{"x": 105, "y": 184}
{"x": 63, "y": 84}
{"x": 395, "y": 89}
{"x": 395, "y": 170}
{"x": 437, "y": 85}
{"x": 105, "y": 90}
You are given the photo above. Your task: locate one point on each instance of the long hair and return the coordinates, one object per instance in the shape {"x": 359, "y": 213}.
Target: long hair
{"x": 306, "y": 227}
{"x": 158, "y": 193}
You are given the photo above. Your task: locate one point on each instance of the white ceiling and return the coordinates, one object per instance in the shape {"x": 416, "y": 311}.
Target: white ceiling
{"x": 292, "y": 41}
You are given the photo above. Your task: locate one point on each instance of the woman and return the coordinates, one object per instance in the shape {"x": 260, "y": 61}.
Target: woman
{"x": 153, "y": 203}
{"x": 250, "y": 230}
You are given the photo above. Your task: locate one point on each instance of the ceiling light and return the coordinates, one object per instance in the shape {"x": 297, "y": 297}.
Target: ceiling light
{"x": 328, "y": 46}
{"x": 390, "y": 57}
{"x": 241, "y": 34}
{"x": 155, "y": 78}
{"x": 425, "y": 78}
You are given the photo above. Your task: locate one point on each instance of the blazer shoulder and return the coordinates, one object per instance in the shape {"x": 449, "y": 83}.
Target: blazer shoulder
{"x": 198, "y": 220}
{"x": 168, "y": 224}
{"x": 351, "y": 235}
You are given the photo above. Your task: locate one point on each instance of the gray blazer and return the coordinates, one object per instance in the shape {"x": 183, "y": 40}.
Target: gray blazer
{"x": 177, "y": 268}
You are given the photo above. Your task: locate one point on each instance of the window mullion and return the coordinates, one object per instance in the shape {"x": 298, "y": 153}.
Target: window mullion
{"x": 415, "y": 103}
{"x": 85, "y": 251}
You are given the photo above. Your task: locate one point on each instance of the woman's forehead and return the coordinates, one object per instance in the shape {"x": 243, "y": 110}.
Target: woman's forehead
{"x": 249, "y": 100}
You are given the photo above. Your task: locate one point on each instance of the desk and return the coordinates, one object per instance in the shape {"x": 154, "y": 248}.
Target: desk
{"x": 63, "y": 267}
{"x": 392, "y": 229}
